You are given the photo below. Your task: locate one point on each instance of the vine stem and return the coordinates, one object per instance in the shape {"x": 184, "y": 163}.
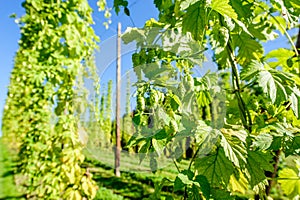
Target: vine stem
{"x": 189, "y": 168}
{"x": 246, "y": 117}
{"x": 245, "y": 114}
{"x": 177, "y": 167}
{"x": 274, "y": 173}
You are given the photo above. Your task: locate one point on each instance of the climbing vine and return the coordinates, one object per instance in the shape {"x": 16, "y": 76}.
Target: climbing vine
{"x": 56, "y": 48}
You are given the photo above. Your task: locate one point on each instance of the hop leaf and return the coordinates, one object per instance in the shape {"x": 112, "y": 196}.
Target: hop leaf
{"x": 223, "y": 7}
{"x": 193, "y": 21}
{"x": 290, "y": 182}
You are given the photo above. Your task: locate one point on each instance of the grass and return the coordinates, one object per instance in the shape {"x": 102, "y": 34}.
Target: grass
{"x": 131, "y": 162}
{"x": 8, "y": 188}
{"x": 130, "y": 185}
{"x": 136, "y": 181}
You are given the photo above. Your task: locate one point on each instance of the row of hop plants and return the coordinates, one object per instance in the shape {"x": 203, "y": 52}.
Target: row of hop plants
{"x": 40, "y": 120}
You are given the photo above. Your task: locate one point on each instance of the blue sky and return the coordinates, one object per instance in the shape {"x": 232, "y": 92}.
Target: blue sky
{"x": 141, "y": 10}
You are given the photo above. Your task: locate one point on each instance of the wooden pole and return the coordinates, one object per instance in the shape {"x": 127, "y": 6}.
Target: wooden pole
{"x": 118, "y": 103}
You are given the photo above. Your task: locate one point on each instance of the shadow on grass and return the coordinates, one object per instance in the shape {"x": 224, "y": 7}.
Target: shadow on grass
{"x": 130, "y": 185}
{"x": 124, "y": 188}
{"x": 119, "y": 185}
{"x": 127, "y": 185}
{"x": 8, "y": 173}
{"x": 14, "y": 197}
{"x": 8, "y": 189}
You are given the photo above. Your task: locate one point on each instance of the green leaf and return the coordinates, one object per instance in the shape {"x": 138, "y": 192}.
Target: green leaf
{"x": 118, "y": 3}
{"x": 224, "y": 8}
{"x": 221, "y": 195}
{"x": 160, "y": 135}
{"x": 204, "y": 185}
{"x": 153, "y": 71}
{"x": 133, "y": 34}
{"x": 278, "y": 85}
{"x": 101, "y": 5}
{"x": 292, "y": 146}
{"x": 251, "y": 71}
{"x": 161, "y": 114}
{"x": 263, "y": 141}
{"x": 153, "y": 164}
{"x": 175, "y": 102}
{"x": 183, "y": 179}
{"x": 158, "y": 146}
{"x": 257, "y": 163}
{"x": 229, "y": 152}
{"x": 186, "y": 3}
{"x": 219, "y": 38}
{"x": 290, "y": 182}
{"x": 234, "y": 147}
{"x": 279, "y": 23}
{"x": 289, "y": 18}
{"x": 144, "y": 149}
{"x": 284, "y": 86}
{"x": 238, "y": 183}
{"x": 247, "y": 51}
{"x": 295, "y": 101}
{"x": 295, "y": 4}
{"x": 267, "y": 82}
{"x": 215, "y": 167}
{"x": 242, "y": 9}
{"x": 223, "y": 59}
{"x": 186, "y": 177}
{"x": 178, "y": 184}
{"x": 207, "y": 137}
{"x": 169, "y": 198}
{"x": 163, "y": 4}
{"x": 158, "y": 3}
{"x": 194, "y": 193}
{"x": 281, "y": 55}
{"x": 126, "y": 11}
{"x": 194, "y": 20}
